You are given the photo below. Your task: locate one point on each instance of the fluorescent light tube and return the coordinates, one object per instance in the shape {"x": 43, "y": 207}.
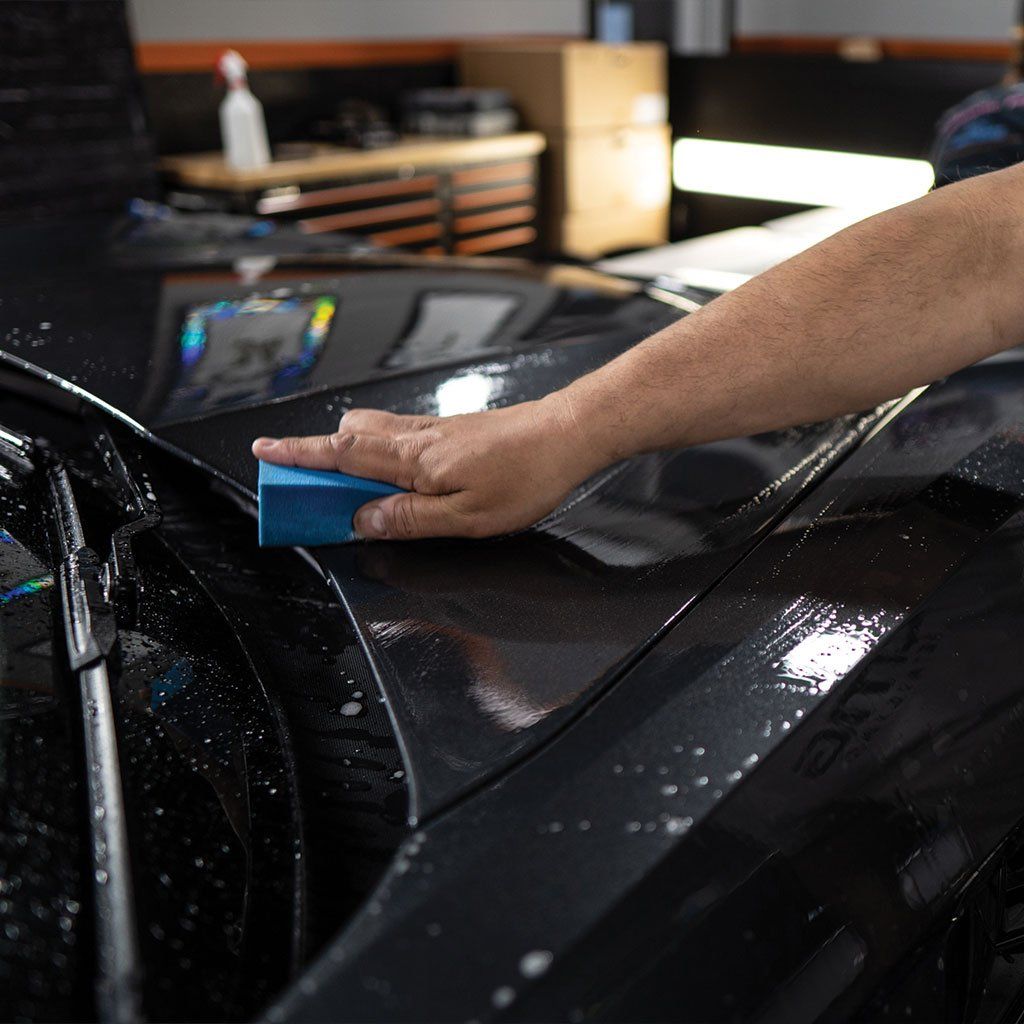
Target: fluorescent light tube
{"x": 811, "y": 177}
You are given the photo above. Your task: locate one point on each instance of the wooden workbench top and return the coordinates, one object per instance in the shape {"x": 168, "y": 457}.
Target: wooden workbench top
{"x": 208, "y": 170}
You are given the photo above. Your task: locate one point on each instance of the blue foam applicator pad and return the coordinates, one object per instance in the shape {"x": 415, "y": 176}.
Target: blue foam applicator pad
{"x": 305, "y": 507}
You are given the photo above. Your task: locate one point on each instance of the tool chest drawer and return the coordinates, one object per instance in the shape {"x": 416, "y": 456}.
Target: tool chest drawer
{"x": 465, "y": 196}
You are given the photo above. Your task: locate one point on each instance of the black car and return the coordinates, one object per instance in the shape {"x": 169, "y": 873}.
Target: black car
{"x": 736, "y": 734}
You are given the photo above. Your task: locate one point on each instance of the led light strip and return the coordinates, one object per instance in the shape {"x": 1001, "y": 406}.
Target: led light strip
{"x": 812, "y": 177}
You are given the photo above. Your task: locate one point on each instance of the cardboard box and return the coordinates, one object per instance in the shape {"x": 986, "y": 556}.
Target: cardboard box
{"x": 614, "y": 168}
{"x": 592, "y": 233}
{"x": 576, "y": 84}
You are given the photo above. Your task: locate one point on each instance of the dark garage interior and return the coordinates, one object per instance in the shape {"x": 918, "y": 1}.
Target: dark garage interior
{"x": 511, "y": 510}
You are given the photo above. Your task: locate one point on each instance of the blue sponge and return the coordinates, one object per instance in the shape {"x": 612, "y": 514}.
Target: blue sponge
{"x": 304, "y": 507}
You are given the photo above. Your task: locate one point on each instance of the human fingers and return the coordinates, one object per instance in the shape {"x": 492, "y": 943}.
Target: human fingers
{"x": 391, "y": 460}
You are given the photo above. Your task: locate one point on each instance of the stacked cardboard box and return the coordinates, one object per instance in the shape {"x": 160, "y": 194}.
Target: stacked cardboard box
{"x": 604, "y": 111}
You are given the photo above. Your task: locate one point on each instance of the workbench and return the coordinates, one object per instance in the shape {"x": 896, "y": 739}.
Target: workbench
{"x": 433, "y": 195}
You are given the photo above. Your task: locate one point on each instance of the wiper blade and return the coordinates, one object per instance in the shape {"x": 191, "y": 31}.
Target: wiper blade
{"x": 89, "y": 632}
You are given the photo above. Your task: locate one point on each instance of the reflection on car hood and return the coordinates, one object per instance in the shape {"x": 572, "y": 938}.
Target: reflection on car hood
{"x": 484, "y": 648}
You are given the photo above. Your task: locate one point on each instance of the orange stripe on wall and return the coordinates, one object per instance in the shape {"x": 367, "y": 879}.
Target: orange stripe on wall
{"x": 263, "y": 54}
{"x": 892, "y": 49}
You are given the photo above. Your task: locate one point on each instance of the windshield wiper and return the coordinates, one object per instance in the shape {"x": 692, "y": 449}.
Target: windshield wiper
{"x": 123, "y": 584}
{"x": 89, "y": 634}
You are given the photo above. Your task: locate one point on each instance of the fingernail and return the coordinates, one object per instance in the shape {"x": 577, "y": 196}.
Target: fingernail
{"x": 263, "y": 443}
{"x": 370, "y": 523}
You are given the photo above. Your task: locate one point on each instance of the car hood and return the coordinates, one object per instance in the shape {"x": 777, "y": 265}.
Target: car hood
{"x": 484, "y": 649}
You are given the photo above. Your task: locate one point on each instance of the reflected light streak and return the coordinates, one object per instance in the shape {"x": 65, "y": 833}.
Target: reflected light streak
{"x": 822, "y": 659}
{"x": 469, "y": 393}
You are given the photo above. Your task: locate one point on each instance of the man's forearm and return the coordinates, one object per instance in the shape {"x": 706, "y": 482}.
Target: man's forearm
{"x": 892, "y": 303}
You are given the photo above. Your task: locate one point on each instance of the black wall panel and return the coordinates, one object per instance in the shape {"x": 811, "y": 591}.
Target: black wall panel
{"x": 887, "y": 107}
{"x": 72, "y": 135}
{"x": 182, "y": 108}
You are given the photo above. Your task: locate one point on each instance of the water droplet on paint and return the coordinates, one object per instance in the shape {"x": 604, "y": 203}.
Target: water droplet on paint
{"x": 535, "y": 963}
{"x": 502, "y": 997}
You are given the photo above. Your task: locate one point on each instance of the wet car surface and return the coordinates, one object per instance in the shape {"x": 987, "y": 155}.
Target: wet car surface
{"x": 728, "y": 736}
{"x": 527, "y": 627}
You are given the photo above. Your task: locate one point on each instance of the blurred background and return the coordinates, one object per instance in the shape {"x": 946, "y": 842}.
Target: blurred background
{"x": 583, "y": 129}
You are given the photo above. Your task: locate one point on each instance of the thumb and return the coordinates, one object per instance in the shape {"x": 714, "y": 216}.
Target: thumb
{"x": 413, "y": 516}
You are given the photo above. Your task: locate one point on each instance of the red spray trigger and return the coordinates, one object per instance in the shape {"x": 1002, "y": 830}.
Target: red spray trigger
{"x": 231, "y": 68}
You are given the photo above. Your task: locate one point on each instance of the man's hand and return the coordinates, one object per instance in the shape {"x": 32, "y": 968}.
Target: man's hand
{"x": 475, "y": 475}
{"x": 865, "y": 316}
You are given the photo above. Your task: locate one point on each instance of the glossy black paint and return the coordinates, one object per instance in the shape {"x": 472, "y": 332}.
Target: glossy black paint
{"x": 212, "y": 808}
{"x": 117, "y": 331}
{"x": 732, "y": 735}
{"x": 776, "y": 805}
{"x": 258, "y": 821}
{"x": 481, "y": 658}
{"x": 45, "y": 930}
{"x": 209, "y": 887}
{"x": 349, "y": 771}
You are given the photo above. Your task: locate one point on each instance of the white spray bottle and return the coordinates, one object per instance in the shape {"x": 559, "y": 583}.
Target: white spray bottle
{"x": 242, "y": 128}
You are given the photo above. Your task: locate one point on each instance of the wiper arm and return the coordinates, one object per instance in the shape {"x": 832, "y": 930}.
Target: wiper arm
{"x": 89, "y": 625}
{"x": 89, "y": 633}
{"x": 123, "y": 582}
